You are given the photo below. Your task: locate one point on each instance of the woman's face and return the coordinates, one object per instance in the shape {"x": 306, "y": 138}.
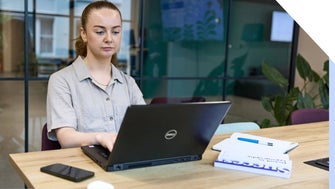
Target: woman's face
{"x": 102, "y": 33}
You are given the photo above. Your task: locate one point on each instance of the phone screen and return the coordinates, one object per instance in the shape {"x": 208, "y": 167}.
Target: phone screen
{"x": 67, "y": 172}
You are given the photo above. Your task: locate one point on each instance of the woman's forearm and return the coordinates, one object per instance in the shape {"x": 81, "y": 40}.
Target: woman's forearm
{"x": 68, "y": 138}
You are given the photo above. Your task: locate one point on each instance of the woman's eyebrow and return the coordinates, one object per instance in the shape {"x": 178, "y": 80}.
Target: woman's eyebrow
{"x": 103, "y": 27}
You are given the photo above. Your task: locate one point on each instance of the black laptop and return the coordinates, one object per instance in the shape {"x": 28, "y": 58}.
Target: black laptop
{"x": 161, "y": 134}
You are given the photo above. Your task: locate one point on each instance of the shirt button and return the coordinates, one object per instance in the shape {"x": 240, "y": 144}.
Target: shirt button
{"x": 111, "y": 118}
{"x": 107, "y": 99}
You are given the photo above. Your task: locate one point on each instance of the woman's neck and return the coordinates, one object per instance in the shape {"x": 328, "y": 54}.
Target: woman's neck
{"x": 98, "y": 65}
{"x": 100, "y": 70}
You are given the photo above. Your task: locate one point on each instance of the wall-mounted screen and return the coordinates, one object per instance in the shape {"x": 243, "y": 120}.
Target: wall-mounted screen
{"x": 281, "y": 27}
{"x": 189, "y": 20}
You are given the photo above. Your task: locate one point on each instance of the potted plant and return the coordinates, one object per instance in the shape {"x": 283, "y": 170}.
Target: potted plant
{"x": 314, "y": 92}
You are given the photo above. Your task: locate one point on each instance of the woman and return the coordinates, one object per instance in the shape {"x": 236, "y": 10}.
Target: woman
{"x": 87, "y": 100}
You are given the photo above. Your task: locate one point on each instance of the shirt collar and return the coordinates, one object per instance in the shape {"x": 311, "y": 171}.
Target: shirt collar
{"x": 83, "y": 72}
{"x": 81, "y": 69}
{"x": 116, "y": 76}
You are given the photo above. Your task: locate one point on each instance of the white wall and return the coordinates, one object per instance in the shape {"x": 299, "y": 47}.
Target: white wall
{"x": 312, "y": 53}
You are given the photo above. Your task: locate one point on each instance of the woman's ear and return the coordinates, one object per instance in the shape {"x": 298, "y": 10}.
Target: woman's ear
{"x": 83, "y": 34}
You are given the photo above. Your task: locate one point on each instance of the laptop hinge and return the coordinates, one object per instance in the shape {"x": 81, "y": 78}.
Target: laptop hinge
{"x": 131, "y": 165}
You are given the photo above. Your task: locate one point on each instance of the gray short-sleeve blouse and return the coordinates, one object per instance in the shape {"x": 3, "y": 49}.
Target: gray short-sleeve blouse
{"x": 74, "y": 100}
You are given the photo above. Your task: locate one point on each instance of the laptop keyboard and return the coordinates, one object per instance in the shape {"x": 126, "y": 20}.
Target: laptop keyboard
{"x": 104, "y": 152}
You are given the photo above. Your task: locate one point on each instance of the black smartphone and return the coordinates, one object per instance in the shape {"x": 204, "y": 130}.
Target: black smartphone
{"x": 323, "y": 162}
{"x": 71, "y": 173}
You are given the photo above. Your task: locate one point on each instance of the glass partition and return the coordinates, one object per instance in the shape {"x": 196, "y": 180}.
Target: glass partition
{"x": 215, "y": 49}
{"x": 12, "y": 130}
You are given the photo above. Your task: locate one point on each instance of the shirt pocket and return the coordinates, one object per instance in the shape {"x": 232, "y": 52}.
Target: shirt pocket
{"x": 91, "y": 117}
{"x": 92, "y": 110}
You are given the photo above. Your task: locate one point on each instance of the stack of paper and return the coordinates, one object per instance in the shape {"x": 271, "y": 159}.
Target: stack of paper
{"x": 255, "y": 154}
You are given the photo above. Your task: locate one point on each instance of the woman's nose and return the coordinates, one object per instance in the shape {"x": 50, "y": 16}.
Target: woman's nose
{"x": 108, "y": 37}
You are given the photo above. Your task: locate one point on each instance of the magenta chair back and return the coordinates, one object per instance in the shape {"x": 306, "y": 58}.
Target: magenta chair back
{"x": 309, "y": 115}
{"x": 48, "y": 144}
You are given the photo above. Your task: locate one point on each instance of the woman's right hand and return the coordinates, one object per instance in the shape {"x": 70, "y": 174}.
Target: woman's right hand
{"x": 106, "y": 140}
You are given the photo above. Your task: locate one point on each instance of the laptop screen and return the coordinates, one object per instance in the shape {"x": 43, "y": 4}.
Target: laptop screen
{"x": 150, "y": 132}
{"x": 159, "y": 134}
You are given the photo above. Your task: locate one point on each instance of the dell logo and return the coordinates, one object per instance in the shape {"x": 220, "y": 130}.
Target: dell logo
{"x": 170, "y": 134}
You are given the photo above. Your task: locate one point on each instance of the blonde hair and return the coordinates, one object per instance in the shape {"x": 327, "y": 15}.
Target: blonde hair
{"x": 80, "y": 45}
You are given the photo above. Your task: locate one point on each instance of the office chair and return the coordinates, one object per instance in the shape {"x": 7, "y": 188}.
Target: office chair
{"x": 48, "y": 144}
{"x": 172, "y": 100}
{"x": 309, "y": 115}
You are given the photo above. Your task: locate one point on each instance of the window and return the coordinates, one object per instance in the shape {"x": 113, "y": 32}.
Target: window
{"x": 46, "y": 36}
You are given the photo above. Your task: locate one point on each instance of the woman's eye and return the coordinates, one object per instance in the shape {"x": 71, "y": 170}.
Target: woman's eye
{"x": 99, "y": 32}
{"x": 115, "y": 32}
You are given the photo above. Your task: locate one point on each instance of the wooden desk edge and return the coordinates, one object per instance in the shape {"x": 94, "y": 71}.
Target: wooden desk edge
{"x": 19, "y": 171}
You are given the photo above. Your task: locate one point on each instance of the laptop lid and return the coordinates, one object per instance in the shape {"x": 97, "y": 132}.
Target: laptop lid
{"x": 164, "y": 133}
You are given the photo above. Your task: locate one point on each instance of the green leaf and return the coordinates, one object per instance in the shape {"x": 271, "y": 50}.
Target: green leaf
{"x": 305, "y": 71}
{"x": 291, "y": 99}
{"x": 274, "y": 75}
{"x": 265, "y": 123}
{"x": 306, "y": 101}
{"x": 266, "y": 102}
{"x": 324, "y": 86}
{"x": 324, "y": 94}
{"x": 326, "y": 66}
{"x": 326, "y": 79}
{"x": 314, "y": 76}
{"x": 293, "y": 93}
{"x": 326, "y": 69}
{"x": 303, "y": 67}
{"x": 280, "y": 112}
